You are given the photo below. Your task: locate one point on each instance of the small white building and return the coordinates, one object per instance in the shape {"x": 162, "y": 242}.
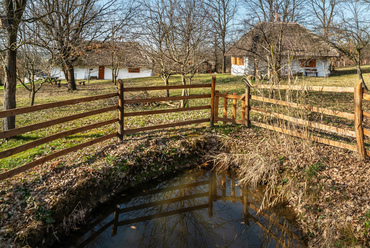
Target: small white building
{"x": 291, "y": 46}
{"x": 127, "y": 58}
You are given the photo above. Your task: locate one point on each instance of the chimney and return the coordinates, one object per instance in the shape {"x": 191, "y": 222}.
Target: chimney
{"x": 277, "y": 17}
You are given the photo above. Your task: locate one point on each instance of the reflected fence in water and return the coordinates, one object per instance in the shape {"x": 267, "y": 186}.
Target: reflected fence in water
{"x": 177, "y": 200}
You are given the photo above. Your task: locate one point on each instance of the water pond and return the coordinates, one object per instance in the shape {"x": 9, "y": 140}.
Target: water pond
{"x": 195, "y": 209}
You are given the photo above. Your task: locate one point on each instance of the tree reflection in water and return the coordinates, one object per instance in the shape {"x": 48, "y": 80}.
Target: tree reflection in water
{"x": 197, "y": 209}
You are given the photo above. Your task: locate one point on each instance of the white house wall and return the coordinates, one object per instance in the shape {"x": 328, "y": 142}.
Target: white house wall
{"x": 241, "y": 70}
{"x": 322, "y": 67}
{"x": 81, "y": 73}
{"x": 124, "y": 74}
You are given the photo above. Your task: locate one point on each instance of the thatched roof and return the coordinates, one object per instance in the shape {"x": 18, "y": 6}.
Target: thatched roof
{"x": 296, "y": 41}
{"x": 125, "y": 54}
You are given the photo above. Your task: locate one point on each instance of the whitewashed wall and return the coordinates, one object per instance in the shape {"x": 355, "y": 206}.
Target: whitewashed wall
{"x": 241, "y": 70}
{"x": 322, "y": 66}
{"x": 83, "y": 72}
{"x": 124, "y": 74}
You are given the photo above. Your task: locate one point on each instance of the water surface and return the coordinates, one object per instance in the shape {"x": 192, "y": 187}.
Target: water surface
{"x": 195, "y": 209}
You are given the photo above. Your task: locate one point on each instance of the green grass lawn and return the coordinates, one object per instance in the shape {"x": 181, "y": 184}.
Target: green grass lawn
{"x": 225, "y": 82}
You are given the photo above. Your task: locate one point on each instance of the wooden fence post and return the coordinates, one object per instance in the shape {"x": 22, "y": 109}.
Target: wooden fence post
{"x": 217, "y": 99}
{"x": 248, "y": 103}
{"x": 224, "y": 115}
{"x": 121, "y": 109}
{"x": 235, "y": 102}
{"x": 213, "y": 89}
{"x": 358, "y": 120}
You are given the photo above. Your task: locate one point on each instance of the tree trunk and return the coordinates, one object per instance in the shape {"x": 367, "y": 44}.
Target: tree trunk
{"x": 10, "y": 79}
{"x": 184, "y": 93}
{"x": 360, "y": 77}
{"x": 32, "y": 100}
{"x": 166, "y": 83}
{"x": 71, "y": 77}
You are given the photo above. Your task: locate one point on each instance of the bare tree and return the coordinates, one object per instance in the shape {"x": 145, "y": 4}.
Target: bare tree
{"x": 33, "y": 69}
{"x": 350, "y": 32}
{"x": 264, "y": 10}
{"x": 186, "y": 37}
{"x": 323, "y": 14}
{"x": 72, "y": 28}
{"x": 13, "y": 11}
{"x": 221, "y": 13}
{"x": 154, "y": 29}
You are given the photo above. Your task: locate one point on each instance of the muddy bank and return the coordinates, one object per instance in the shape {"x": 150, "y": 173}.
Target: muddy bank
{"x": 45, "y": 204}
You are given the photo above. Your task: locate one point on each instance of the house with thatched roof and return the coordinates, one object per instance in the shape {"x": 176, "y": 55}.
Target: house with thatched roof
{"x": 126, "y": 59}
{"x": 289, "y": 48}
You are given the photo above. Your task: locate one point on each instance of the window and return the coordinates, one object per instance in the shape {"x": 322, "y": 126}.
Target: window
{"x": 308, "y": 62}
{"x": 238, "y": 61}
{"x": 134, "y": 70}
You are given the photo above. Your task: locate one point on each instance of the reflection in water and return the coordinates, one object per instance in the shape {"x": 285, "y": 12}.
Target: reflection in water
{"x": 197, "y": 209}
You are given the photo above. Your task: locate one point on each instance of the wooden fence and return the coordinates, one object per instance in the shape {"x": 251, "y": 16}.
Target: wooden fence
{"x": 357, "y": 116}
{"x": 214, "y": 97}
{"x": 120, "y": 120}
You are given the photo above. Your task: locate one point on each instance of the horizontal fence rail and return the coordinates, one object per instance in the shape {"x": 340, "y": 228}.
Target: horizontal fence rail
{"x": 48, "y": 139}
{"x": 306, "y": 88}
{"x": 174, "y": 87}
{"x": 120, "y": 120}
{"x": 123, "y": 102}
{"x": 246, "y": 109}
{"x": 13, "y": 112}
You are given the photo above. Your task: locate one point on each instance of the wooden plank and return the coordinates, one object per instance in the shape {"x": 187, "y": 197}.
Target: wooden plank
{"x": 366, "y": 114}
{"x": 121, "y": 109}
{"x": 12, "y": 112}
{"x": 305, "y": 107}
{"x": 234, "y": 96}
{"x": 173, "y": 87}
{"x": 248, "y": 103}
{"x": 217, "y": 99}
{"x": 213, "y": 89}
{"x": 21, "y": 130}
{"x": 234, "y": 106}
{"x": 164, "y": 111}
{"x": 367, "y": 132}
{"x": 171, "y": 98}
{"x": 358, "y": 120}
{"x": 304, "y": 136}
{"x": 50, "y": 138}
{"x": 327, "y": 128}
{"x": 306, "y": 88}
{"x": 366, "y": 96}
{"x": 225, "y": 107}
{"x": 225, "y": 120}
{"x": 42, "y": 160}
{"x": 176, "y": 124}
{"x": 243, "y": 111}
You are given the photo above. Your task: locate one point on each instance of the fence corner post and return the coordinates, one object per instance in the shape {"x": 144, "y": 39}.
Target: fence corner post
{"x": 213, "y": 89}
{"x": 248, "y": 103}
{"x": 121, "y": 109}
{"x": 358, "y": 120}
